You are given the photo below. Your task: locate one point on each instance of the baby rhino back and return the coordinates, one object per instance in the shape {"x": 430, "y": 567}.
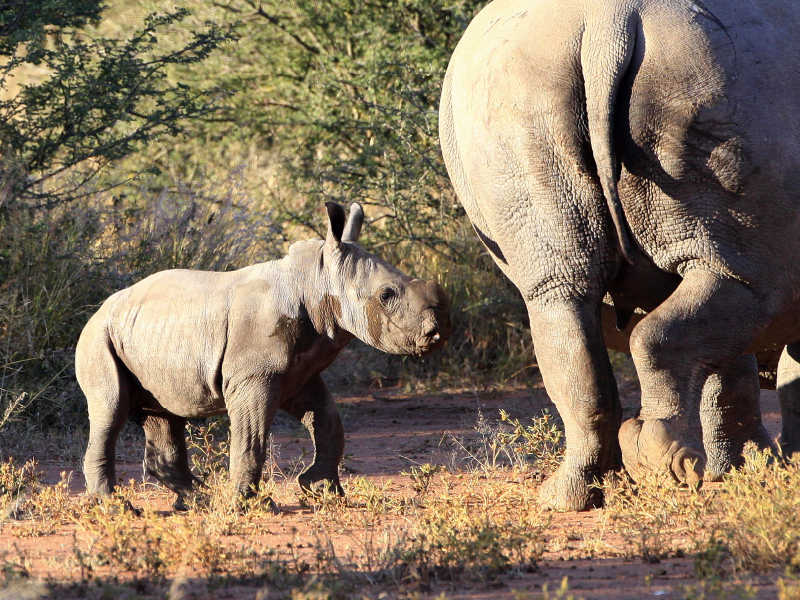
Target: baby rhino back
{"x": 171, "y": 333}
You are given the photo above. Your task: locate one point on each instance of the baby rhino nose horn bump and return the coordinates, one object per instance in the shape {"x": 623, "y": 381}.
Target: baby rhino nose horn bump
{"x": 432, "y": 333}
{"x": 437, "y": 295}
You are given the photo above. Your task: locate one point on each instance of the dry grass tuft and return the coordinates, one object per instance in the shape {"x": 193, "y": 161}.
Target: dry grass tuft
{"x": 657, "y": 516}
{"x": 759, "y": 511}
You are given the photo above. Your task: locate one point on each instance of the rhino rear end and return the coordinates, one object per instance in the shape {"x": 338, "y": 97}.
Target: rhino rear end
{"x": 103, "y": 379}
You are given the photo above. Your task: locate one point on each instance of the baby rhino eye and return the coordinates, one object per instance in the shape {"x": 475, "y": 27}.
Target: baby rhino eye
{"x": 387, "y": 294}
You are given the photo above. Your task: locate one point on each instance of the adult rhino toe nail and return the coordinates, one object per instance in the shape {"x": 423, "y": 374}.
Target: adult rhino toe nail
{"x": 629, "y": 434}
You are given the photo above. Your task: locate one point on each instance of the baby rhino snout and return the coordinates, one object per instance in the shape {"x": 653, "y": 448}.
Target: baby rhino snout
{"x": 435, "y": 330}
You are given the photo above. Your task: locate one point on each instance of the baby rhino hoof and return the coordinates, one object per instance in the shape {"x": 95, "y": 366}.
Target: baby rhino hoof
{"x": 651, "y": 446}
{"x": 317, "y": 489}
{"x": 570, "y": 490}
{"x": 186, "y": 502}
{"x": 315, "y": 485}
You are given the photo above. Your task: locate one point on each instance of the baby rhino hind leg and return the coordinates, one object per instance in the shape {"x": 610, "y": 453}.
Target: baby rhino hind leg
{"x": 107, "y": 388}
{"x": 317, "y": 410}
{"x": 166, "y": 457}
{"x": 730, "y": 412}
{"x": 789, "y": 396}
{"x": 698, "y": 331}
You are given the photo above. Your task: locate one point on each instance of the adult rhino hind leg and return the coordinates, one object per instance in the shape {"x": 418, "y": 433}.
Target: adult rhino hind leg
{"x": 676, "y": 348}
{"x": 730, "y": 413}
{"x": 789, "y": 397}
{"x": 316, "y": 409}
{"x": 730, "y": 409}
{"x": 166, "y": 457}
{"x": 579, "y": 379}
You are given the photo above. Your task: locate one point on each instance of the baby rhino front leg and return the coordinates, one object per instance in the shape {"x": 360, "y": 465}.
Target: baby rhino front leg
{"x": 316, "y": 409}
{"x": 251, "y": 408}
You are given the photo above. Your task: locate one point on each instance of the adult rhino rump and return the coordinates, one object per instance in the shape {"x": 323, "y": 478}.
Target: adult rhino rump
{"x": 645, "y": 149}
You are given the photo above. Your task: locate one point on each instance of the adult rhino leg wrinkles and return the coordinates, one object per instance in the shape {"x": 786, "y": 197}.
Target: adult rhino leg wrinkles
{"x": 579, "y": 379}
{"x": 789, "y": 397}
{"x": 730, "y": 413}
{"x": 317, "y": 410}
{"x": 676, "y": 348}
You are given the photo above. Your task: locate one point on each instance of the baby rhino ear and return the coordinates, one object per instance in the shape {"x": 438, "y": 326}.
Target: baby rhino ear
{"x": 353, "y": 228}
{"x": 336, "y": 221}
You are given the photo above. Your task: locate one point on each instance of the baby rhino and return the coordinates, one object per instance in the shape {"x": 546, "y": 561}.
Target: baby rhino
{"x": 182, "y": 344}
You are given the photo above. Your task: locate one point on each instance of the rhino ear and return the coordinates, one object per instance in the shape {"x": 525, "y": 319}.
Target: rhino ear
{"x": 336, "y": 219}
{"x": 353, "y": 228}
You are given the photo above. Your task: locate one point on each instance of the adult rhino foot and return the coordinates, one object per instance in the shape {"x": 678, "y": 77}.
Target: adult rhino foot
{"x": 191, "y": 496}
{"x": 247, "y": 502}
{"x": 570, "y": 490}
{"x": 725, "y": 453}
{"x": 652, "y": 446}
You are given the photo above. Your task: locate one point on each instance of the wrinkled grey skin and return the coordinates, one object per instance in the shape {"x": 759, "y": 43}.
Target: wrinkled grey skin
{"x": 730, "y": 407}
{"x": 648, "y": 149}
{"x": 182, "y": 344}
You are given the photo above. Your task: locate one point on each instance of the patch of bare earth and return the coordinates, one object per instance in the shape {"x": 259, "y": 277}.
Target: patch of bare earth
{"x": 329, "y": 550}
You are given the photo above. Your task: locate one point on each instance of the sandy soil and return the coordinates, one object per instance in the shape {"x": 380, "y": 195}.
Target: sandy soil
{"x": 387, "y": 432}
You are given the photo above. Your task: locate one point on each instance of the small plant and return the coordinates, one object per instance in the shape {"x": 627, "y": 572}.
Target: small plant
{"x": 422, "y": 477}
{"x": 209, "y": 445}
{"x": 15, "y": 579}
{"x": 709, "y": 558}
{"x": 451, "y": 541}
{"x": 14, "y": 482}
{"x": 375, "y": 499}
{"x": 760, "y": 512}
{"x": 509, "y": 443}
{"x": 787, "y": 589}
{"x": 562, "y": 593}
{"x": 656, "y": 515}
{"x": 541, "y": 443}
{"x": 716, "y": 589}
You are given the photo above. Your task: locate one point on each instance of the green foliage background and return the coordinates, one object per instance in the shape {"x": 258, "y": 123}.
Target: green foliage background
{"x": 313, "y": 101}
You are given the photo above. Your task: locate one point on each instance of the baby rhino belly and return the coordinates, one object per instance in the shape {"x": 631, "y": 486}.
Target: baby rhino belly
{"x": 179, "y": 371}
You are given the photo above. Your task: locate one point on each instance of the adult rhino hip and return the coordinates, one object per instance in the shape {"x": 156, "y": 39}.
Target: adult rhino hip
{"x": 642, "y": 148}
{"x": 182, "y": 344}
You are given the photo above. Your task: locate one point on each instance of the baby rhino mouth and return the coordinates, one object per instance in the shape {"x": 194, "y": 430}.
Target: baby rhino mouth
{"x": 435, "y": 331}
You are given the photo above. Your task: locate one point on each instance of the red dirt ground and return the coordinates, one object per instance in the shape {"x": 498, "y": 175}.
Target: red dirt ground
{"x": 388, "y": 431}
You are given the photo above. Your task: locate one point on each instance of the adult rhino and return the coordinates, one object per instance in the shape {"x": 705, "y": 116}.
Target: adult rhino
{"x": 182, "y": 344}
{"x": 648, "y": 149}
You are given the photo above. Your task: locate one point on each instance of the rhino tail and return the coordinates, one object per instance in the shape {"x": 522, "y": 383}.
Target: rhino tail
{"x": 607, "y": 48}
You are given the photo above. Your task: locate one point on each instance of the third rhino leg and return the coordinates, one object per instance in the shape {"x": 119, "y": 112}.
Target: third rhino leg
{"x": 317, "y": 410}
{"x": 705, "y": 324}
{"x": 730, "y": 413}
{"x": 577, "y": 374}
{"x": 166, "y": 457}
{"x": 789, "y": 397}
